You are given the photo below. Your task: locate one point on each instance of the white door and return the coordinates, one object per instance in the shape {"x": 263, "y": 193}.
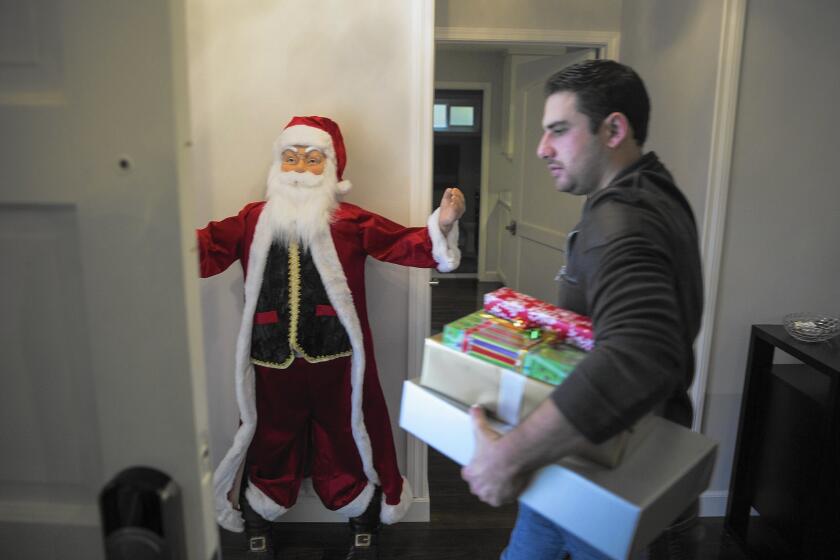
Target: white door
{"x": 100, "y": 346}
{"x": 543, "y": 216}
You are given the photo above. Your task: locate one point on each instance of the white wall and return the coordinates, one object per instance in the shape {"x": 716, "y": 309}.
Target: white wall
{"x": 780, "y": 251}
{"x": 253, "y": 66}
{"x": 661, "y": 40}
{"x": 577, "y": 15}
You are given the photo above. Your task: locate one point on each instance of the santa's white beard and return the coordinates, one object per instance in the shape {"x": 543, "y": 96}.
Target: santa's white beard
{"x": 300, "y": 205}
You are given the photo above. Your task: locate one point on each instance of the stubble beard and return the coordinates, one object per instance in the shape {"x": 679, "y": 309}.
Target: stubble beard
{"x": 586, "y": 178}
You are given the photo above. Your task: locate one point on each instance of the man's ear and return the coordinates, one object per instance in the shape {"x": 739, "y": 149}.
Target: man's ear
{"x": 617, "y": 129}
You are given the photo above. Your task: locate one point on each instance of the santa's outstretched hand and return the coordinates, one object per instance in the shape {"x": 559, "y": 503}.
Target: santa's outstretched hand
{"x": 451, "y": 208}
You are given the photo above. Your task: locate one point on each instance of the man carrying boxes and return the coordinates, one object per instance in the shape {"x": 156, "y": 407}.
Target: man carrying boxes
{"x": 633, "y": 266}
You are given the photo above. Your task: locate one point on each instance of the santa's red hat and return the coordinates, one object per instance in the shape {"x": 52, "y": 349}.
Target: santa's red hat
{"x": 316, "y": 132}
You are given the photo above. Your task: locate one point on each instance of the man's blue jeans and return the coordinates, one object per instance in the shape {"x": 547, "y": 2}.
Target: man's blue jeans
{"x": 534, "y": 537}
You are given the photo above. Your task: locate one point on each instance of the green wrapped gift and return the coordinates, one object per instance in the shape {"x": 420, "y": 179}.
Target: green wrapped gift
{"x": 552, "y": 363}
{"x": 455, "y": 333}
{"x": 500, "y": 339}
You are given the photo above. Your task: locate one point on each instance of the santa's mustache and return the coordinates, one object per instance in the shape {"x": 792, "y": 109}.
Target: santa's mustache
{"x": 296, "y": 179}
{"x": 302, "y": 189}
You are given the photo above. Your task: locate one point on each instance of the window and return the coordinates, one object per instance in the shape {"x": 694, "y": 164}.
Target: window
{"x": 457, "y": 111}
{"x": 440, "y": 116}
{"x": 460, "y": 115}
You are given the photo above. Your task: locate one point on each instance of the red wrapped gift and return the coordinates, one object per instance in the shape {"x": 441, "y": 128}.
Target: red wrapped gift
{"x": 574, "y": 328}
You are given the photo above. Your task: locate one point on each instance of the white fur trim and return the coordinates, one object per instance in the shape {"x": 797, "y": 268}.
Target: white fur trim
{"x": 335, "y": 284}
{"x": 304, "y": 135}
{"x": 228, "y": 472}
{"x": 344, "y": 186}
{"x": 262, "y": 504}
{"x": 391, "y": 514}
{"x": 359, "y": 504}
{"x": 229, "y": 518}
{"x": 444, "y": 249}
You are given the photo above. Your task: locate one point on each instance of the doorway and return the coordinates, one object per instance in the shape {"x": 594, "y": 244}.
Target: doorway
{"x": 493, "y": 63}
{"x": 458, "y": 162}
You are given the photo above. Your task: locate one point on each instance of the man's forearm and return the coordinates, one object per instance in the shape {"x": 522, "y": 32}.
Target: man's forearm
{"x": 544, "y": 437}
{"x": 501, "y": 465}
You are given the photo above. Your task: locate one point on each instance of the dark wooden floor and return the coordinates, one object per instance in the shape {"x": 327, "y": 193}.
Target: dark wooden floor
{"x": 461, "y": 527}
{"x": 456, "y": 297}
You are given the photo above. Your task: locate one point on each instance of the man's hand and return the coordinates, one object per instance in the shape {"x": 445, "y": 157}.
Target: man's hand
{"x": 502, "y": 465}
{"x": 491, "y": 474}
{"x": 451, "y": 208}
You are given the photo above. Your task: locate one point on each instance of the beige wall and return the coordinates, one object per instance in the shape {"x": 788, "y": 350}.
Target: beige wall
{"x": 252, "y": 68}
{"x": 576, "y": 15}
{"x": 780, "y": 250}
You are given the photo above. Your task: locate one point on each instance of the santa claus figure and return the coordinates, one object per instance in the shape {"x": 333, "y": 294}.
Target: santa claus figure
{"x": 307, "y": 388}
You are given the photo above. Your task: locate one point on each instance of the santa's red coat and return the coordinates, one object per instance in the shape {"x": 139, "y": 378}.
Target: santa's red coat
{"x": 339, "y": 256}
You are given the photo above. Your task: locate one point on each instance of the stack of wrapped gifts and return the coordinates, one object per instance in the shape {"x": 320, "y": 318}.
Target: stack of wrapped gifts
{"x": 619, "y": 510}
{"x": 509, "y": 356}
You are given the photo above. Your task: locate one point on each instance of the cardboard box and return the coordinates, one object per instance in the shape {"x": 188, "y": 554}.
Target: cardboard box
{"x": 618, "y": 511}
{"x": 506, "y": 394}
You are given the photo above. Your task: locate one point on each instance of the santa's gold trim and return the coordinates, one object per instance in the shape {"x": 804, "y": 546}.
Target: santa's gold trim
{"x": 294, "y": 295}
{"x": 327, "y": 358}
{"x": 294, "y": 312}
{"x": 310, "y": 359}
{"x": 274, "y": 365}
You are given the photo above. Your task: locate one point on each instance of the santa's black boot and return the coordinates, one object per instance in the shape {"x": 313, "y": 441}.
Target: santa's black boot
{"x": 259, "y": 545}
{"x": 365, "y": 531}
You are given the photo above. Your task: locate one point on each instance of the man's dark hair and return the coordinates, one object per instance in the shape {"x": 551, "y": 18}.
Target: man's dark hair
{"x": 603, "y": 87}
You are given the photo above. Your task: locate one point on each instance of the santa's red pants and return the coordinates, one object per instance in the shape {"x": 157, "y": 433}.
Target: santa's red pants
{"x": 303, "y": 429}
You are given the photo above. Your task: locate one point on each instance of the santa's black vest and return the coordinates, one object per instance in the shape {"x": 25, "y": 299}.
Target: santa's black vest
{"x": 294, "y": 313}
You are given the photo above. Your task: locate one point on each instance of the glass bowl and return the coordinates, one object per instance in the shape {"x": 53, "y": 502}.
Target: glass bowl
{"x": 811, "y": 327}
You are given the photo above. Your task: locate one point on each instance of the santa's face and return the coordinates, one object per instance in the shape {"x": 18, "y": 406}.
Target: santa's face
{"x": 302, "y": 159}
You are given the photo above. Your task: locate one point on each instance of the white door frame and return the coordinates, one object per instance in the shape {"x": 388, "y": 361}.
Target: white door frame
{"x": 419, "y": 312}
{"x": 606, "y": 42}
{"x": 717, "y": 190}
{"x": 486, "y": 109}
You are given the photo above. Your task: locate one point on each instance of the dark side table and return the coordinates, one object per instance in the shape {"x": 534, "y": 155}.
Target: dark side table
{"x": 784, "y": 490}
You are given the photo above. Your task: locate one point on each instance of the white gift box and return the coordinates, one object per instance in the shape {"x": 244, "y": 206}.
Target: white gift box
{"x": 508, "y": 395}
{"x": 617, "y": 511}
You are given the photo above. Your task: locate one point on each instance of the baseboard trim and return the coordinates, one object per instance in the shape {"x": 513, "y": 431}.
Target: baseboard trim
{"x": 309, "y": 509}
{"x": 713, "y": 503}
{"x": 444, "y": 275}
